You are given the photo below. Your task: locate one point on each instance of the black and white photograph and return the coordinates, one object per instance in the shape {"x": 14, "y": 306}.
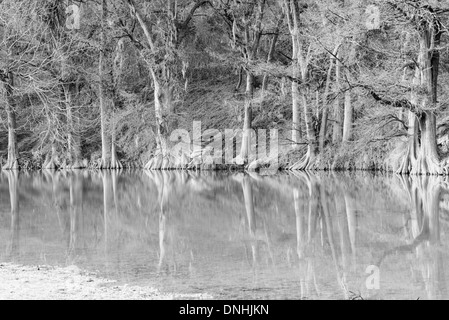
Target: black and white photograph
{"x": 224, "y": 154}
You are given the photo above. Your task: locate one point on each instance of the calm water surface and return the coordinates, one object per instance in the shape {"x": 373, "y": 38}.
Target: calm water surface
{"x": 235, "y": 236}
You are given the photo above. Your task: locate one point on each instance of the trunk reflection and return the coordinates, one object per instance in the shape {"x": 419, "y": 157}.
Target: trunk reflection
{"x": 302, "y": 236}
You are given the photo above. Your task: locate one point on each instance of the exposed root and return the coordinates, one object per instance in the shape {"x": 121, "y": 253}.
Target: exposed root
{"x": 405, "y": 166}
{"x": 12, "y": 164}
{"x": 51, "y": 164}
{"x": 407, "y": 163}
{"x": 168, "y": 162}
{"x": 335, "y": 164}
{"x": 427, "y": 166}
{"x": 115, "y": 163}
{"x": 195, "y": 163}
{"x": 182, "y": 162}
{"x": 197, "y": 160}
{"x": 306, "y": 163}
{"x": 105, "y": 164}
{"x": 155, "y": 163}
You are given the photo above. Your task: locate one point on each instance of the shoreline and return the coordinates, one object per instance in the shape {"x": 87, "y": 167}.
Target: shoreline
{"x": 22, "y": 282}
{"x": 221, "y": 170}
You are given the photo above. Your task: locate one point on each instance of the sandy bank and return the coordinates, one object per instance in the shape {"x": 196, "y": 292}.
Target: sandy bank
{"x": 70, "y": 283}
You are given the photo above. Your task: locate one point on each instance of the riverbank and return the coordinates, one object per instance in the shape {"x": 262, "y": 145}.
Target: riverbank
{"x": 285, "y": 163}
{"x": 71, "y": 283}
{"x": 333, "y": 159}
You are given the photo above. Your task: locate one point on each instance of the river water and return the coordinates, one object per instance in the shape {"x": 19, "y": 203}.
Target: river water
{"x": 286, "y": 236}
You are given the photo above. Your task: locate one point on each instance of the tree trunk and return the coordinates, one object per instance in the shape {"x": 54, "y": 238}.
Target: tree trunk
{"x": 73, "y": 139}
{"x": 115, "y": 163}
{"x": 428, "y": 64}
{"x": 119, "y": 62}
{"x": 311, "y": 133}
{"x": 105, "y": 147}
{"x": 252, "y": 48}
{"x": 428, "y": 159}
{"x": 51, "y": 159}
{"x": 272, "y": 50}
{"x": 338, "y": 118}
{"x": 410, "y": 157}
{"x": 159, "y": 107}
{"x": 325, "y": 115}
{"x": 296, "y": 97}
{"x": 296, "y": 119}
{"x": 239, "y": 83}
{"x": 347, "y": 126}
{"x": 13, "y": 153}
{"x": 300, "y": 73}
{"x": 247, "y": 125}
{"x": 163, "y": 105}
{"x": 307, "y": 162}
{"x": 252, "y": 36}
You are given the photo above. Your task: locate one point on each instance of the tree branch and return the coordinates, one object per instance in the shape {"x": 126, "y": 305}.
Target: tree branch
{"x": 143, "y": 25}
{"x": 394, "y": 103}
{"x": 189, "y": 17}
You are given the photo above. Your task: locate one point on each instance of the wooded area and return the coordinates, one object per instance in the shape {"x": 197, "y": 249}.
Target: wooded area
{"x": 349, "y": 84}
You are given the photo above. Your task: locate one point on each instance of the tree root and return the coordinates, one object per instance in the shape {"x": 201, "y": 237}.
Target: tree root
{"x": 51, "y": 164}
{"x": 104, "y": 164}
{"x": 182, "y": 162}
{"x": 115, "y": 163}
{"x": 407, "y": 163}
{"x": 168, "y": 162}
{"x": 197, "y": 160}
{"x": 427, "y": 166}
{"x": 12, "y": 164}
{"x": 306, "y": 163}
{"x": 155, "y": 163}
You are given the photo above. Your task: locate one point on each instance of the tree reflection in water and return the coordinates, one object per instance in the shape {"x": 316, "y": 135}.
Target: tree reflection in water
{"x": 422, "y": 231}
{"x": 13, "y": 182}
{"x": 250, "y": 236}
